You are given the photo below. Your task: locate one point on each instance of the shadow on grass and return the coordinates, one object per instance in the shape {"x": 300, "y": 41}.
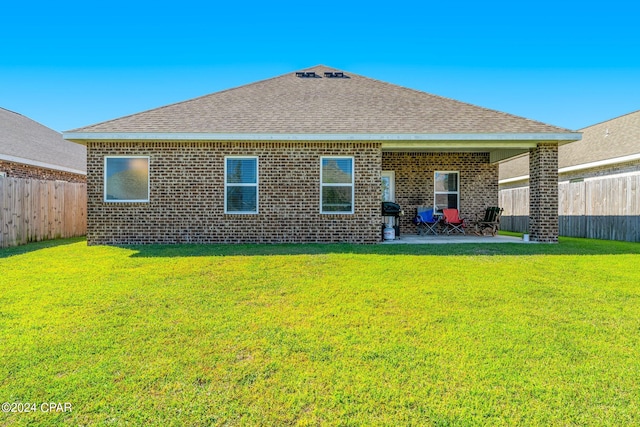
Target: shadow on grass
{"x": 567, "y": 246}
{"x": 36, "y": 246}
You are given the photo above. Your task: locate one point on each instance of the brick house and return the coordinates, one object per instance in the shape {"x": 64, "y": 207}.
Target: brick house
{"x": 29, "y": 149}
{"x": 301, "y": 158}
{"x": 597, "y": 177}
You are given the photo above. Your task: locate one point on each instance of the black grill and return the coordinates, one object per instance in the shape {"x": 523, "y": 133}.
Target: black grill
{"x": 390, "y": 209}
{"x": 394, "y": 210}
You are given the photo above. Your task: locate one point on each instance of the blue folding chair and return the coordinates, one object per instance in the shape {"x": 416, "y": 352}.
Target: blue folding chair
{"x": 426, "y": 221}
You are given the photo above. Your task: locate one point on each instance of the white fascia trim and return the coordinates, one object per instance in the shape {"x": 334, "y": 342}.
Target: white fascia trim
{"x": 40, "y": 164}
{"x": 514, "y": 179}
{"x": 603, "y": 177}
{"x": 599, "y": 163}
{"x": 189, "y": 136}
{"x": 615, "y": 160}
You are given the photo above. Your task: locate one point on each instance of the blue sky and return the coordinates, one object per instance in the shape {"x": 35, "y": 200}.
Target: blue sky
{"x": 71, "y": 64}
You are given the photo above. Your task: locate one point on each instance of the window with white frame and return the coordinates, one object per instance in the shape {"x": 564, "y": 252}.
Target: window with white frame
{"x": 126, "y": 179}
{"x": 336, "y": 185}
{"x": 241, "y": 185}
{"x": 446, "y": 192}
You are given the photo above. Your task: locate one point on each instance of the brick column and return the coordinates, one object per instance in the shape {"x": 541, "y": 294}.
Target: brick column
{"x": 543, "y": 192}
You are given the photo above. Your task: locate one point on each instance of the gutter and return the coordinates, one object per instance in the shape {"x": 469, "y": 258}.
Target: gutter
{"x": 81, "y": 137}
{"x": 40, "y": 164}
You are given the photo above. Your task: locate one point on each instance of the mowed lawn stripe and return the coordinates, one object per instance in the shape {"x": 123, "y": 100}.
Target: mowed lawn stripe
{"x": 322, "y": 334}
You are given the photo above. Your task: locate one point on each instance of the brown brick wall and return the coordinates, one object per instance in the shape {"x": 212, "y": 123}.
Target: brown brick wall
{"x": 414, "y": 181}
{"x": 543, "y": 193}
{"x": 19, "y": 170}
{"x": 187, "y": 195}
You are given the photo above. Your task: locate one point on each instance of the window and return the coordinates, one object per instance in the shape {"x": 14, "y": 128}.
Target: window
{"x": 241, "y": 185}
{"x": 446, "y": 190}
{"x": 336, "y": 185}
{"x": 126, "y": 179}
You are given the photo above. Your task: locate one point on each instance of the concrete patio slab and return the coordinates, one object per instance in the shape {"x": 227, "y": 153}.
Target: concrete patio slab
{"x": 414, "y": 239}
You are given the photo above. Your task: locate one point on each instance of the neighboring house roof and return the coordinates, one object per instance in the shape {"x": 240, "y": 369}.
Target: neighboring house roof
{"x": 288, "y": 104}
{"x": 515, "y": 169}
{"x": 26, "y": 141}
{"x": 610, "y": 142}
{"x": 614, "y": 138}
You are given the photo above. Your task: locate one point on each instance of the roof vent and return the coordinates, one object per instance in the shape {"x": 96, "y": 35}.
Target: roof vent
{"x": 335, "y": 75}
{"x": 307, "y": 75}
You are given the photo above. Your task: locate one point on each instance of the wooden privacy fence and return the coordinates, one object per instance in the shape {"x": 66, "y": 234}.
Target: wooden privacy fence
{"x": 598, "y": 208}
{"x": 33, "y": 210}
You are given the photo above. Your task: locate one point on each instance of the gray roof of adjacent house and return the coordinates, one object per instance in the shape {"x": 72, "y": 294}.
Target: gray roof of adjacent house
{"x": 613, "y": 138}
{"x": 26, "y": 141}
{"x": 610, "y": 142}
{"x": 303, "y": 105}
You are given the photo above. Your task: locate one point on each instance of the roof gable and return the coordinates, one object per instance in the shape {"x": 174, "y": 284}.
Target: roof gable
{"x": 289, "y": 104}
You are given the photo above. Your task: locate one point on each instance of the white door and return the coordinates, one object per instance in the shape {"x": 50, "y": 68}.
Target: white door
{"x": 388, "y": 186}
{"x": 389, "y": 192}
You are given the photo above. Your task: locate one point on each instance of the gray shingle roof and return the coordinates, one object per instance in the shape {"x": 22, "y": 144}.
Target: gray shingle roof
{"x": 288, "y": 104}
{"x": 611, "y": 139}
{"x": 23, "y": 138}
{"x": 607, "y": 140}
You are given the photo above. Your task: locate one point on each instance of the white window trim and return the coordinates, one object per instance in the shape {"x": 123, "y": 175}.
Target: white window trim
{"x": 148, "y": 180}
{"x": 352, "y": 185}
{"x": 256, "y": 185}
{"x": 435, "y": 193}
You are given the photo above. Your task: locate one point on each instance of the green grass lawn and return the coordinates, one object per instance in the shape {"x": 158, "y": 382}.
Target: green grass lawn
{"x": 445, "y": 335}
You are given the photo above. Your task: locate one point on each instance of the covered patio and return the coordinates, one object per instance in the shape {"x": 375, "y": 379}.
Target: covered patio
{"x": 461, "y": 172}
